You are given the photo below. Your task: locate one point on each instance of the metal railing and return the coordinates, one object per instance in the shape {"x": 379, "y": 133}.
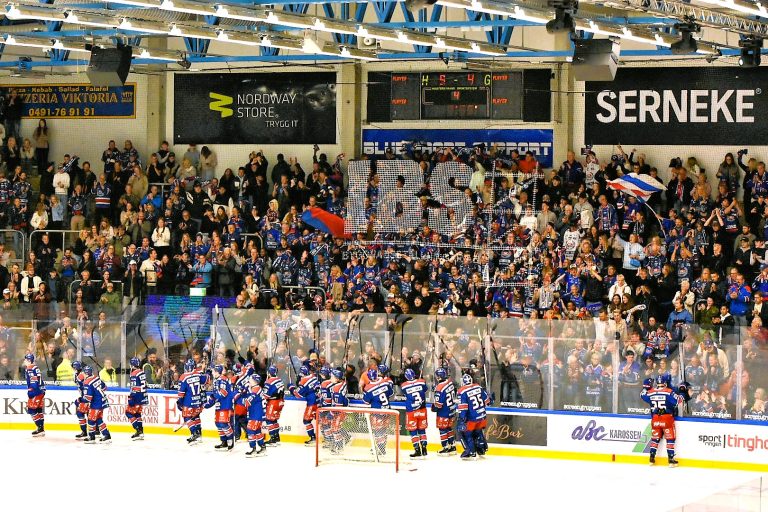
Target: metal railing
{"x": 17, "y": 243}
{"x": 255, "y": 236}
{"x": 70, "y": 292}
{"x": 34, "y": 236}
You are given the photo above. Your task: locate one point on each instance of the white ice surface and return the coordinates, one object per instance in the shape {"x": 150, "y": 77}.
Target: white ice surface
{"x": 161, "y": 473}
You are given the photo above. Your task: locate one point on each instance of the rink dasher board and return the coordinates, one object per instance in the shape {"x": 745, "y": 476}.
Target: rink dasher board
{"x": 711, "y": 443}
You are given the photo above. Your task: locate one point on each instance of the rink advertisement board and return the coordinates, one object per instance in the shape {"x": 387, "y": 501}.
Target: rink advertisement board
{"x": 669, "y": 106}
{"x": 517, "y": 429}
{"x": 561, "y": 434}
{"x": 255, "y": 108}
{"x": 376, "y": 141}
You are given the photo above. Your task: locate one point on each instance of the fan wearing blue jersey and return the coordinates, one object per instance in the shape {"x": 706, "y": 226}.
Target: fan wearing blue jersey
{"x": 274, "y": 393}
{"x": 35, "y": 395}
{"x": 96, "y": 396}
{"x": 222, "y": 397}
{"x": 190, "y": 400}
{"x": 137, "y": 399}
{"x": 81, "y": 406}
{"x": 256, "y": 405}
{"x": 308, "y": 390}
{"x": 664, "y": 402}
{"x": 445, "y": 407}
{"x": 376, "y": 394}
{"x": 326, "y": 400}
{"x": 473, "y": 400}
{"x": 415, "y": 391}
{"x": 339, "y": 398}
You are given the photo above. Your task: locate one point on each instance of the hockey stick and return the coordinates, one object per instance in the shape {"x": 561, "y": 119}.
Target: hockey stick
{"x": 316, "y": 332}
{"x": 286, "y": 340}
{"x": 231, "y": 335}
{"x": 352, "y": 318}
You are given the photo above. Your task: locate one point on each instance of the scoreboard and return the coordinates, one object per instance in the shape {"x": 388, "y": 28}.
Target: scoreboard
{"x": 462, "y": 95}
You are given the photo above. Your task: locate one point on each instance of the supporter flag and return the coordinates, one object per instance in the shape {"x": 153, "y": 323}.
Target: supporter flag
{"x": 640, "y": 186}
{"x": 324, "y": 221}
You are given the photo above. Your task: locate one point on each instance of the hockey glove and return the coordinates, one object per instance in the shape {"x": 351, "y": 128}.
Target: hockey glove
{"x": 461, "y": 426}
{"x": 178, "y": 405}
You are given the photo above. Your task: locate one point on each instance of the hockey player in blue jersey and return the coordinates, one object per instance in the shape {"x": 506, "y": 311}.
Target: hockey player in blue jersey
{"x": 338, "y": 436}
{"x": 190, "y": 400}
{"x": 473, "y": 400}
{"x": 326, "y": 400}
{"x": 664, "y": 402}
{"x": 274, "y": 394}
{"x": 222, "y": 396}
{"x": 35, "y": 395}
{"x": 415, "y": 391}
{"x": 256, "y": 406}
{"x": 378, "y": 390}
{"x": 137, "y": 398}
{"x": 445, "y": 408}
{"x": 376, "y": 394}
{"x": 96, "y": 396}
{"x": 81, "y": 405}
{"x": 240, "y": 386}
{"x": 308, "y": 390}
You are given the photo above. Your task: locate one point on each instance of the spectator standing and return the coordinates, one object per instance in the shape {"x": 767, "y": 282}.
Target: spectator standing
{"x": 14, "y": 107}
{"x": 207, "y": 164}
{"x": 41, "y": 135}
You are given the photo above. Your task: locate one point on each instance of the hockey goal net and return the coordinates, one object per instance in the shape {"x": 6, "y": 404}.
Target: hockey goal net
{"x": 348, "y": 434}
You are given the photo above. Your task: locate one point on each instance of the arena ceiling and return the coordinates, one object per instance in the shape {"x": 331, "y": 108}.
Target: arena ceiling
{"x": 167, "y": 34}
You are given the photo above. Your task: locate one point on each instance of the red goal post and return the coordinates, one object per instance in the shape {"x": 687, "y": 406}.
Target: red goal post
{"x": 357, "y": 434}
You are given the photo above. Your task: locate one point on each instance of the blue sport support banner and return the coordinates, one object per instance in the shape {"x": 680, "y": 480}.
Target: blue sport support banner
{"x": 376, "y": 141}
{"x": 76, "y": 101}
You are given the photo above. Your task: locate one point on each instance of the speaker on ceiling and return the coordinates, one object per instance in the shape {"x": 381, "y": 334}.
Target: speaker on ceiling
{"x": 595, "y": 60}
{"x": 109, "y": 67}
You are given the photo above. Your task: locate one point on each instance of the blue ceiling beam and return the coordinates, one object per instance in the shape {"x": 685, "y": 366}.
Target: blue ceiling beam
{"x": 437, "y": 11}
{"x": 298, "y": 8}
{"x": 197, "y": 46}
{"x": 313, "y": 58}
{"x": 384, "y": 10}
{"x": 344, "y": 14}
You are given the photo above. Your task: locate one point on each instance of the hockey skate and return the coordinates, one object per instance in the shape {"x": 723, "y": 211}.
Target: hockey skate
{"x": 445, "y": 452}
{"x": 221, "y": 446}
{"x": 416, "y": 454}
{"x": 673, "y": 462}
{"x": 195, "y": 439}
{"x": 423, "y": 450}
{"x": 90, "y": 440}
{"x": 452, "y": 450}
{"x": 469, "y": 456}
{"x": 310, "y": 442}
{"x": 273, "y": 441}
{"x": 652, "y": 459}
{"x": 230, "y": 445}
{"x": 107, "y": 439}
{"x": 138, "y": 436}
{"x": 259, "y": 451}
{"x": 81, "y": 436}
{"x": 39, "y": 432}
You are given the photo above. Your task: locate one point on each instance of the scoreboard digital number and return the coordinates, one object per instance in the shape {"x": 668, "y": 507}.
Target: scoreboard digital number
{"x": 468, "y": 95}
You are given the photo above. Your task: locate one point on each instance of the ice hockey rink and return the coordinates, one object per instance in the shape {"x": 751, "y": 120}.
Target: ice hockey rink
{"x": 162, "y": 472}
